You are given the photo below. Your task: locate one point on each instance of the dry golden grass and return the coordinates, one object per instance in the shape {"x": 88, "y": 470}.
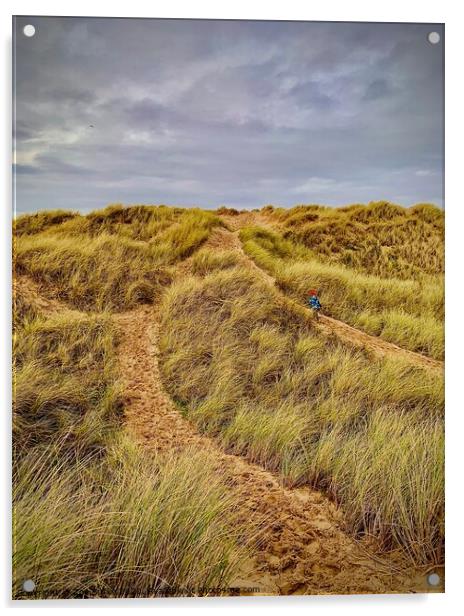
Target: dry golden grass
{"x": 127, "y": 526}
{"x": 270, "y": 387}
{"x": 93, "y": 515}
{"x": 408, "y": 312}
{"x": 65, "y": 387}
{"x": 381, "y": 239}
{"x": 112, "y": 259}
{"x": 208, "y": 260}
{"x": 105, "y": 272}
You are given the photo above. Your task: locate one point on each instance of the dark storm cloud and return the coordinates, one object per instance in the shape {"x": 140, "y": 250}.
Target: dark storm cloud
{"x": 212, "y": 112}
{"x": 311, "y": 94}
{"x": 28, "y": 169}
{"x": 379, "y": 88}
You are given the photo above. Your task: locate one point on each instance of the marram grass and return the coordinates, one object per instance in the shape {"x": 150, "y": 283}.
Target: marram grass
{"x": 129, "y": 526}
{"x": 269, "y": 387}
{"x": 93, "y": 515}
{"x": 407, "y": 312}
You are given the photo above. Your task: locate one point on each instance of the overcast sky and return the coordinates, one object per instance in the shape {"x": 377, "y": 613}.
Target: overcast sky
{"x": 226, "y": 112}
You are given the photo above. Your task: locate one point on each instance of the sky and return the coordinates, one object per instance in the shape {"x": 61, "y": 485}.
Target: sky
{"x": 235, "y": 113}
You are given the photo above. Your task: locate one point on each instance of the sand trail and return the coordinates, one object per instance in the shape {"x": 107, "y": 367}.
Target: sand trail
{"x": 302, "y": 547}
{"x": 224, "y": 238}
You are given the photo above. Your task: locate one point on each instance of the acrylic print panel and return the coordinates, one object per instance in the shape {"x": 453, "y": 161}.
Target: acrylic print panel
{"x": 228, "y": 308}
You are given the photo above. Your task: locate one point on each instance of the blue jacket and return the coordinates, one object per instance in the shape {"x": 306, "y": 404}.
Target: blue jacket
{"x": 314, "y": 302}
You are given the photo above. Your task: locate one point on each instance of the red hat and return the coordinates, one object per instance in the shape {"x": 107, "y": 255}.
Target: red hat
{"x": 312, "y": 292}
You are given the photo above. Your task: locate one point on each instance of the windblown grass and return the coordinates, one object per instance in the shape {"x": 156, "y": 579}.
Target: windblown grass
{"x": 382, "y": 239}
{"x": 112, "y": 259}
{"x": 102, "y": 273}
{"x": 270, "y": 387}
{"x": 93, "y": 515}
{"x": 36, "y": 223}
{"x": 206, "y": 260}
{"x": 407, "y": 312}
{"x": 65, "y": 387}
{"x": 130, "y": 526}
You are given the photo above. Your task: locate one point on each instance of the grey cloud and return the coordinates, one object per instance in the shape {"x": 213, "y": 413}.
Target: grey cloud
{"x": 310, "y": 94}
{"x": 211, "y": 112}
{"x": 22, "y": 133}
{"x": 27, "y": 169}
{"x": 379, "y": 88}
{"x": 73, "y": 95}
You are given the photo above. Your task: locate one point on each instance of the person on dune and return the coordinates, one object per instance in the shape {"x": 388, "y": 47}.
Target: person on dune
{"x": 314, "y": 302}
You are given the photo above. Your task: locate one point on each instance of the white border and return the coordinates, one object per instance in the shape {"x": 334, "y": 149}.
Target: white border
{"x": 446, "y": 11}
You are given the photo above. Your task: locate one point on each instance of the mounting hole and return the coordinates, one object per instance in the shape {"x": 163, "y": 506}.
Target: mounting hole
{"x": 29, "y": 586}
{"x": 433, "y": 579}
{"x": 433, "y": 38}
{"x": 29, "y": 30}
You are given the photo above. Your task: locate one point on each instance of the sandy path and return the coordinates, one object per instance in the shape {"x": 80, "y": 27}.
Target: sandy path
{"x": 327, "y": 325}
{"x": 377, "y": 345}
{"x": 302, "y": 547}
